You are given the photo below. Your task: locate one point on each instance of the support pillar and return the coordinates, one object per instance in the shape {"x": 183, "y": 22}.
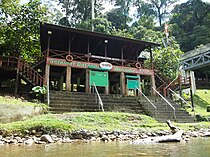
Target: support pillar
{"x": 68, "y": 79}
{"x": 122, "y": 83}
{"x": 87, "y": 77}
{"x": 107, "y": 90}
{"x": 61, "y": 83}
{"x": 117, "y": 88}
{"x": 47, "y": 74}
{"x": 153, "y": 85}
{"x": 47, "y": 81}
{"x": 139, "y": 93}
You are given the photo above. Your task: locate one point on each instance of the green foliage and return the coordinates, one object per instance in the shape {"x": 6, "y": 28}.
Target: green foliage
{"x": 201, "y": 101}
{"x": 167, "y": 61}
{"x": 18, "y": 101}
{"x": 101, "y": 25}
{"x": 191, "y": 24}
{"x": 39, "y": 91}
{"x": 94, "y": 121}
{"x": 20, "y": 28}
{"x": 77, "y": 11}
{"x": 42, "y": 122}
{"x": 158, "y": 8}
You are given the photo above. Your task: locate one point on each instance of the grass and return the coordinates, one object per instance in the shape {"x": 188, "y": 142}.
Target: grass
{"x": 93, "y": 121}
{"x": 99, "y": 121}
{"x": 18, "y": 101}
{"x": 201, "y": 101}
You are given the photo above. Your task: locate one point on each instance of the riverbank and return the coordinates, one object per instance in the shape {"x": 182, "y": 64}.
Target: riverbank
{"x": 89, "y": 127}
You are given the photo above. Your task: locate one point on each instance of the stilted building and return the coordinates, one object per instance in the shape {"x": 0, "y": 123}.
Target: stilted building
{"x": 78, "y": 60}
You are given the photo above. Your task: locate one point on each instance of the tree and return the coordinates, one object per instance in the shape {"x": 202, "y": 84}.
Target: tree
{"x": 190, "y": 24}
{"x": 101, "y": 25}
{"x": 120, "y": 15}
{"x": 158, "y": 8}
{"x": 77, "y": 11}
{"x": 20, "y": 28}
{"x": 117, "y": 18}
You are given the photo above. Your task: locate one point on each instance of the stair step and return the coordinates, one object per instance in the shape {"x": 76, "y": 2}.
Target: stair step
{"x": 83, "y": 102}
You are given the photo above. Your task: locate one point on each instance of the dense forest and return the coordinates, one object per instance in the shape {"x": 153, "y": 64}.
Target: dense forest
{"x": 188, "y": 24}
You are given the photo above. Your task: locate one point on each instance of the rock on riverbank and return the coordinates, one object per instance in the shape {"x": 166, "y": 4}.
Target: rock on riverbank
{"x": 91, "y": 136}
{"x": 13, "y": 112}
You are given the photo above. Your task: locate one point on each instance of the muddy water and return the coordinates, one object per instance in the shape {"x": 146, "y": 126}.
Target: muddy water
{"x": 199, "y": 147}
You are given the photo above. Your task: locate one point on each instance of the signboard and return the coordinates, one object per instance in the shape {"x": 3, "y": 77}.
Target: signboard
{"x": 99, "y": 78}
{"x": 132, "y": 84}
{"x": 88, "y": 65}
{"x": 105, "y": 65}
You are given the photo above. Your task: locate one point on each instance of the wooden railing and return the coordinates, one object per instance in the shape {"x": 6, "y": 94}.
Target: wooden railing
{"x": 93, "y": 58}
{"x": 29, "y": 73}
{"x": 178, "y": 81}
{"x": 25, "y": 69}
{"x": 9, "y": 61}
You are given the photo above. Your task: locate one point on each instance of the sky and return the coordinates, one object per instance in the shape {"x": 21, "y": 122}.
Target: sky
{"x": 109, "y": 6}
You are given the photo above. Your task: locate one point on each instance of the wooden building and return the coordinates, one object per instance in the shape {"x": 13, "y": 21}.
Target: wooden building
{"x": 77, "y": 60}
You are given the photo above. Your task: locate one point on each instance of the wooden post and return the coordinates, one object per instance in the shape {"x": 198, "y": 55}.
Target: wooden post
{"x": 48, "y": 44}
{"x": 17, "y": 80}
{"x": 151, "y": 59}
{"x": 47, "y": 81}
{"x": 122, "y": 52}
{"x": 61, "y": 83}
{"x": 107, "y": 89}
{"x": 87, "y": 77}
{"x": 117, "y": 88}
{"x": 139, "y": 93}
{"x": 69, "y": 45}
{"x": 68, "y": 79}
{"x": 191, "y": 94}
{"x": 153, "y": 85}
{"x": 47, "y": 74}
{"x": 122, "y": 83}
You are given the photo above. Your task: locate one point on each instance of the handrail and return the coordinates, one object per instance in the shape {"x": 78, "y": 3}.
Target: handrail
{"x": 99, "y": 98}
{"x": 148, "y": 101}
{"x": 171, "y": 82}
{"x": 31, "y": 73}
{"x": 165, "y": 88}
{"x": 179, "y": 96}
{"x": 166, "y": 101}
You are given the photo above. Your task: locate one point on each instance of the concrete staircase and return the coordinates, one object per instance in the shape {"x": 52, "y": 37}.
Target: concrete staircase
{"x": 61, "y": 101}
{"x": 164, "y": 112}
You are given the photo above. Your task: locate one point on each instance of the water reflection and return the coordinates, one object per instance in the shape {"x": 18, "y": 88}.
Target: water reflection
{"x": 199, "y": 147}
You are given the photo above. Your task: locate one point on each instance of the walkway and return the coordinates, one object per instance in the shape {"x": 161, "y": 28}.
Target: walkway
{"x": 197, "y": 58}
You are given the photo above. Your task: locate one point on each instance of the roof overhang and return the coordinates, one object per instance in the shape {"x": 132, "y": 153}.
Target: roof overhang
{"x": 80, "y": 41}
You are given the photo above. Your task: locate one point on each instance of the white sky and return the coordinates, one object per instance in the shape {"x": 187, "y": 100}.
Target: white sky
{"x": 109, "y": 6}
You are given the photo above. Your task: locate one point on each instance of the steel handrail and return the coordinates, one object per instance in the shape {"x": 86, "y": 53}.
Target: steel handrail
{"x": 148, "y": 101}
{"x": 179, "y": 96}
{"x": 166, "y": 101}
{"x": 99, "y": 98}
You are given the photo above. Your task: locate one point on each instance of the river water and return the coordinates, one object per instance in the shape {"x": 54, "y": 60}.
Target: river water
{"x": 198, "y": 147}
